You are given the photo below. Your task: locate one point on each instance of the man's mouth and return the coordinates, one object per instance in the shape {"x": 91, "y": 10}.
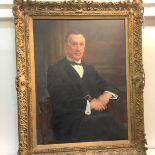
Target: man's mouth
{"x": 77, "y": 53}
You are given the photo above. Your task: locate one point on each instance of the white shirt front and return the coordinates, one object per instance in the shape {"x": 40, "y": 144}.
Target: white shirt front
{"x": 79, "y": 68}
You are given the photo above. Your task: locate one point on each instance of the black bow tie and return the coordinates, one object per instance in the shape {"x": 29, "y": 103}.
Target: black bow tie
{"x": 74, "y": 63}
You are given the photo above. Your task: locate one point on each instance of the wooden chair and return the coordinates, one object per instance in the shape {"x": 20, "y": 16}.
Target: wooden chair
{"x": 44, "y": 120}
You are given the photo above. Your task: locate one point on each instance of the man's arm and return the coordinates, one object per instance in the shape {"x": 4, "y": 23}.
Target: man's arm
{"x": 99, "y": 103}
{"x": 107, "y": 92}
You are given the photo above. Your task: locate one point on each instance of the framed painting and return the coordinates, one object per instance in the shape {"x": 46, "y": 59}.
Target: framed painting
{"x": 80, "y": 77}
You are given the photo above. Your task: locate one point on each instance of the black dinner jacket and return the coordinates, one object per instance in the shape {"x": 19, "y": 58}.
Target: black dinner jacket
{"x": 67, "y": 91}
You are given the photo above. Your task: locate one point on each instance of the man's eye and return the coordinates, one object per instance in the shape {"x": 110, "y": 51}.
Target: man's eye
{"x": 74, "y": 44}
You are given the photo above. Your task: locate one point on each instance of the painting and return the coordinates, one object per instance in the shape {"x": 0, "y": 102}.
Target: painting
{"x": 105, "y": 50}
{"x": 79, "y": 77}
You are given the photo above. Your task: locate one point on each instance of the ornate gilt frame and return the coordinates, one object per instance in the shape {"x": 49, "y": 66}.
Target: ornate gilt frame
{"x": 132, "y": 12}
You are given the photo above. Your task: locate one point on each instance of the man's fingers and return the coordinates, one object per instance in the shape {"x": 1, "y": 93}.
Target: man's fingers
{"x": 101, "y": 108}
{"x": 96, "y": 104}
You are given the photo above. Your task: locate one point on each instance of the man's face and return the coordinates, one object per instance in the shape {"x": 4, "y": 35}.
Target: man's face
{"x": 75, "y": 46}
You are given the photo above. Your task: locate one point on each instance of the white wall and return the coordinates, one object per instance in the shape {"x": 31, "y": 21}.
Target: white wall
{"x": 8, "y": 103}
{"x": 149, "y": 63}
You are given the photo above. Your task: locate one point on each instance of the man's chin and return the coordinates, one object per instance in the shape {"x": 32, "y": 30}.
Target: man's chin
{"x": 77, "y": 58}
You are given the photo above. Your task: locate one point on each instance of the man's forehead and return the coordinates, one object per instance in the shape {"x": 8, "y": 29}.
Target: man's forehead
{"x": 74, "y": 37}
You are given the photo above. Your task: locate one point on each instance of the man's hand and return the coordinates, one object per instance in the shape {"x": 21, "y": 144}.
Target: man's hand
{"x": 96, "y": 104}
{"x": 101, "y": 102}
{"x": 104, "y": 98}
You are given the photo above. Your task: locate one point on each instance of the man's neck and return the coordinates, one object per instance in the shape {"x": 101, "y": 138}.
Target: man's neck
{"x": 70, "y": 59}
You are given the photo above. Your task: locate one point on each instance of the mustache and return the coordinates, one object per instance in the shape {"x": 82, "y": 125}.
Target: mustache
{"x": 78, "y": 51}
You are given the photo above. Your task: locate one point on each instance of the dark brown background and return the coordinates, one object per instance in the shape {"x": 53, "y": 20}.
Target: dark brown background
{"x": 105, "y": 50}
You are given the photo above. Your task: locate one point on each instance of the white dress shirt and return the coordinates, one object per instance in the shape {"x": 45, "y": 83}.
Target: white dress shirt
{"x": 79, "y": 69}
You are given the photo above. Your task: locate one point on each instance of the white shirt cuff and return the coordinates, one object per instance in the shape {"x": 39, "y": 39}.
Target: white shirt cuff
{"x": 114, "y": 96}
{"x": 88, "y": 109}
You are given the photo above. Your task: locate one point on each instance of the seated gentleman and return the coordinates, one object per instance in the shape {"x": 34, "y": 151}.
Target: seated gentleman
{"x": 80, "y": 98}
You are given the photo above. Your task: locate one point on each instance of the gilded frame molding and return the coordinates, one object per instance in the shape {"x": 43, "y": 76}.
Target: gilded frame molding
{"x": 132, "y": 12}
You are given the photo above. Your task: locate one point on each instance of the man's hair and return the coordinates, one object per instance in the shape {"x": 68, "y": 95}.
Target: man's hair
{"x": 72, "y": 32}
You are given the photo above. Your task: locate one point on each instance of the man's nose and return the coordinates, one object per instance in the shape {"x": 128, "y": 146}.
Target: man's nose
{"x": 78, "y": 47}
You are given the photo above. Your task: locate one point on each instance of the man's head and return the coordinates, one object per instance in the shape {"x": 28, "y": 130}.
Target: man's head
{"x": 75, "y": 45}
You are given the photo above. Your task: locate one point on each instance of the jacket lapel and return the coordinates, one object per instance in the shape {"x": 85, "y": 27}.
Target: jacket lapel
{"x": 75, "y": 78}
{"x": 71, "y": 71}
